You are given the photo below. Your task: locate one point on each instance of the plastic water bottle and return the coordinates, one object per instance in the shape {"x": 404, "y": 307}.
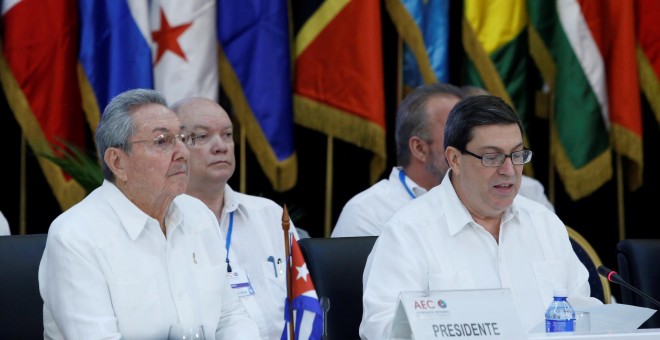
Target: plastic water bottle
{"x": 560, "y": 316}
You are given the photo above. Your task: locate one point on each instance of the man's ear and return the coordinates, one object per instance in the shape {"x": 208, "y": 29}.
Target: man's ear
{"x": 115, "y": 158}
{"x": 453, "y": 158}
{"x": 419, "y": 149}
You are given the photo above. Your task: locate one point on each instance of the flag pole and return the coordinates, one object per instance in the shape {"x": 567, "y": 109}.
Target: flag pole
{"x": 286, "y": 222}
{"x": 329, "y": 155}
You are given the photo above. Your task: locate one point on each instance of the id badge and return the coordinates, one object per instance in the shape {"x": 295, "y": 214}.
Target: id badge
{"x": 240, "y": 282}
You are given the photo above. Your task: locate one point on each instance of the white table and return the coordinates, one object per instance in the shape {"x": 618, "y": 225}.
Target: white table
{"x": 650, "y": 333}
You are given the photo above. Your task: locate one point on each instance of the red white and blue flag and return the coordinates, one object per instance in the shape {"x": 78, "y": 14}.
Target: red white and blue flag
{"x": 307, "y": 313}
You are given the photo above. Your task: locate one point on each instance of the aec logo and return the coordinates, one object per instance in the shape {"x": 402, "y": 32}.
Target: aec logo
{"x": 430, "y": 304}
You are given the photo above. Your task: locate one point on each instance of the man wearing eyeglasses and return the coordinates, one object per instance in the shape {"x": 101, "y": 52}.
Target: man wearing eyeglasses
{"x": 136, "y": 256}
{"x": 473, "y": 231}
{"x": 252, "y": 226}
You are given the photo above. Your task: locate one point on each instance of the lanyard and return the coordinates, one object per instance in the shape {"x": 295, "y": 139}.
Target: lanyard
{"x": 228, "y": 241}
{"x": 402, "y": 178}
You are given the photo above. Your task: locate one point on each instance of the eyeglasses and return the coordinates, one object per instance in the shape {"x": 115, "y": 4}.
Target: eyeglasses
{"x": 167, "y": 141}
{"x": 497, "y": 159}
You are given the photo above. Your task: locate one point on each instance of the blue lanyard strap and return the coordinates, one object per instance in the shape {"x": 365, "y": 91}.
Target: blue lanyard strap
{"x": 402, "y": 178}
{"x": 228, "y": 241}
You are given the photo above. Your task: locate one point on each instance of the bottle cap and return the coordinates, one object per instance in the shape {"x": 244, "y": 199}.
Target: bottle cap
{"x": 559, "y": 292}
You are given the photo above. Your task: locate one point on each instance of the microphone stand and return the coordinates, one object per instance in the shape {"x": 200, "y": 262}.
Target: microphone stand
{"x": 614, "y": 277}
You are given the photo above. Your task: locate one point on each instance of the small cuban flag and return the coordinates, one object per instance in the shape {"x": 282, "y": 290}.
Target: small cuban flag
{"x": 307, "y": 311}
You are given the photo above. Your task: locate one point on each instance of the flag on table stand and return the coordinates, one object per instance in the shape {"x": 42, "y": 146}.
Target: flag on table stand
{"x": 307, "y": 311}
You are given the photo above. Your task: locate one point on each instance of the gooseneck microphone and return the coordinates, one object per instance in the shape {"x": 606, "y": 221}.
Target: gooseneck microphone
{"x": 614, "y": 277}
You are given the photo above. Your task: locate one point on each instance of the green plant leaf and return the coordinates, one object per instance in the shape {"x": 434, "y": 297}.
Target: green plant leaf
{"x": 83, "y": 168}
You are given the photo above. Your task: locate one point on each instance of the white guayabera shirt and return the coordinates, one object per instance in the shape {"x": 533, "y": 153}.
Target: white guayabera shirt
{"x": 109, "y": 272}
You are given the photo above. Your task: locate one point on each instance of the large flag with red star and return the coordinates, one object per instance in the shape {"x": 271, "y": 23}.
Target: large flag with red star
{"x": 184, "y": 48}
{"x": 307, "y": 311}
{"x": 172, "y": 49}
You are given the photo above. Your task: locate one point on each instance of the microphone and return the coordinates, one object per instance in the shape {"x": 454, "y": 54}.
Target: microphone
{"x": 614, "y": 277}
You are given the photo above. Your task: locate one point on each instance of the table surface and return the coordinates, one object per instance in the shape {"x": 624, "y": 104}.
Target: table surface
{"x": 649, "y": 333}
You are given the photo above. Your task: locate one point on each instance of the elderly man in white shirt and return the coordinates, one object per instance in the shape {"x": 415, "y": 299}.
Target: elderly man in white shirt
{"x": 136, "y": 256}
{"x": 473, "y": 231}
{"x": 251, "y": 225}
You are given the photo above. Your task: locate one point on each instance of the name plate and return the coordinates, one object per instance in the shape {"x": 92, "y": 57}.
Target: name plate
{"x": 451, "y": 314}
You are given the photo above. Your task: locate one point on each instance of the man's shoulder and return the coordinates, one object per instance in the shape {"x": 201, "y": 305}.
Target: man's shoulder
{"x": 253, "y": 202}
{"x": 381, "y": 190}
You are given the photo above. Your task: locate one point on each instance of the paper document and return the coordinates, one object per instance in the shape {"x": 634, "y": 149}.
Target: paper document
{"x": 611, "y": 318}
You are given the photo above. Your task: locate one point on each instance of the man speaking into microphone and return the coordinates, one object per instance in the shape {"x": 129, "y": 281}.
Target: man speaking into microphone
{"x": 474, "y": 231}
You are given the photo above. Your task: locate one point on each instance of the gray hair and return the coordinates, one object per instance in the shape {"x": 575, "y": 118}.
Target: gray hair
{"x": 412, "y": 118}
{"x": 116, "y": 125}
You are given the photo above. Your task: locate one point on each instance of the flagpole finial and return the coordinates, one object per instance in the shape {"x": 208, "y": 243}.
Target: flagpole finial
{"x": 286, "y": 222}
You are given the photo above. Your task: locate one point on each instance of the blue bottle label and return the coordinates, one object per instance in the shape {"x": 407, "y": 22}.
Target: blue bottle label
{"x": 552, "y": 326}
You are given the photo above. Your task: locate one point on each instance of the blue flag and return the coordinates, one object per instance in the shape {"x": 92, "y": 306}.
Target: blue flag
{"x": 114, "y": 52}
{"x": 255, "y": 73}
{"x": 424, "y": 28}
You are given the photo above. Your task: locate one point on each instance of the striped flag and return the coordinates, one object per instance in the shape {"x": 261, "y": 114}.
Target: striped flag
{"x": 339, "y": 86}
{"x": 592, "y": 69}
{"x": 307, "y": 313}
{"x": 255, "y": 72}
{"x": 184, "y": 48}
{"x": 648, "y": 51}
{"x": 424, "y": 29}
{"x": 495, "y": 40}
{"x": 38, "y": 61}
{"x": 109, "y": 28}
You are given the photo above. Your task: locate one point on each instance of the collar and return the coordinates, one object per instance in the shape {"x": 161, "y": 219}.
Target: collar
{"x": 234, "y": 202}
{"x": 460, "y": 216}
{"x": 416, "y": 189}
{"x": 132, "y": 219}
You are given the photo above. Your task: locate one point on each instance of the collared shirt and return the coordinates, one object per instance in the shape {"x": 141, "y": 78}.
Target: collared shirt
{"x": 257, "y": 236}
{"x": 109, "y": 272}
{"x": 425, "y": 247}
{"x": 533, "y": 189}
{"x": 366, "y": 213}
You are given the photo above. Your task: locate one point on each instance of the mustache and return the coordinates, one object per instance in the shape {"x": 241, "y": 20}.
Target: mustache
{"x": 178, "y": 168}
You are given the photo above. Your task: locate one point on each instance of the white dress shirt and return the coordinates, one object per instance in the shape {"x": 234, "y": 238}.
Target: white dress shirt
{"x": 108, "y": 272}
{"x": 4, "y": 225}
{"x": 257, "y": 236}
{"x": 533, "y": 189}
{"x": 366, "y": 213}
{"x": 434, "y": 244}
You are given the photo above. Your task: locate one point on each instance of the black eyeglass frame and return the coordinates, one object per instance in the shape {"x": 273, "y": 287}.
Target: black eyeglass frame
{"x": 526, "y": 157}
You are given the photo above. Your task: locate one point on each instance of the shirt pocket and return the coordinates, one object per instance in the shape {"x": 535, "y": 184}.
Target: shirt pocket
{"x": 276, "y": 283}
{"x": 550, "y": 275}
{"x": 451, "y": 280}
